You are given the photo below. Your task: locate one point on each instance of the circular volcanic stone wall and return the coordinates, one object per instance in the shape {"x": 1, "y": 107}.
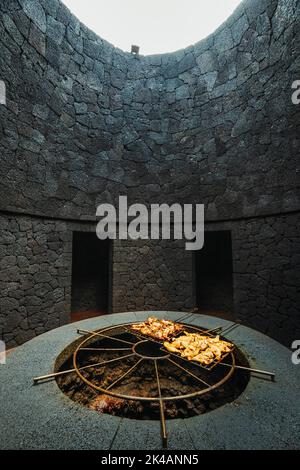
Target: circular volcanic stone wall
{"x": 85, "y": 122}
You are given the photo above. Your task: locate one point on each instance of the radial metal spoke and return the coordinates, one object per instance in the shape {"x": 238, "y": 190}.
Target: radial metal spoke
{"x": 161, "y": 407}
{"x": 188, "y": 372}
{"x": 96, "y": 333}
{"x": 133, "y": 333}
{"x": 98, "y": 364}
{"x": 105, "y": 349}
{"x": 124, "y": 375}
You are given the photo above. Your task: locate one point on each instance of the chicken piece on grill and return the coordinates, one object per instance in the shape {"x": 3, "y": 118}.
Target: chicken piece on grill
{"x": 199, "y": 348}
{"x": 203, "y": 359}
{"x": 158, "y": 329}
{"x": 170, "y": 347}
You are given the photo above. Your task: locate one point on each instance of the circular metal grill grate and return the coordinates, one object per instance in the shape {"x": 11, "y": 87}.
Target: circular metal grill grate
{"x": 141, "y": 349}
{"x": 122, "y": 343}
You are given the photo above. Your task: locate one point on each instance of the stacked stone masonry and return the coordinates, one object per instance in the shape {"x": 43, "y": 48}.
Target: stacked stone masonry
{"x": 86, "y": 122}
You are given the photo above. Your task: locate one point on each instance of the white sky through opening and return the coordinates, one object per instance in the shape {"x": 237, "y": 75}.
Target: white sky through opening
{"x": 157, "y": 26}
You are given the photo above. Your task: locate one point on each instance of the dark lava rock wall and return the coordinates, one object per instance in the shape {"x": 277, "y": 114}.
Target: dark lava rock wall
{"x": 85, "y": 122}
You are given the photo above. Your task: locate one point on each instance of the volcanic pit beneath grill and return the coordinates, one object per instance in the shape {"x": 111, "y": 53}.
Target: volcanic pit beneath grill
{"x": 142, "y": 381}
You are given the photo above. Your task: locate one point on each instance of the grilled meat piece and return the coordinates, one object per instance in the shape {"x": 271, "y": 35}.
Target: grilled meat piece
{"x": 158, "y": 329}
{"x": 199, "y": 348}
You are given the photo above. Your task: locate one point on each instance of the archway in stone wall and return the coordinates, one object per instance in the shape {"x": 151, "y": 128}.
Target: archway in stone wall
{"x": 91, "y": 258}
{"x": 213, "y": 274}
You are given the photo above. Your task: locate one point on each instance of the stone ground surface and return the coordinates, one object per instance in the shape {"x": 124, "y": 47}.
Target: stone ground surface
{"x": 265, "y": 416}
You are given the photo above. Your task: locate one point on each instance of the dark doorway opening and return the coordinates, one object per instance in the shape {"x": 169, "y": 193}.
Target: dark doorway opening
{"x": 90, "y": 276}
{"x": 213, "y": 274}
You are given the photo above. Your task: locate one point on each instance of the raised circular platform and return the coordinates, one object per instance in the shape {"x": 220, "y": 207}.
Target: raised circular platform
{"x": 265, "y": 416}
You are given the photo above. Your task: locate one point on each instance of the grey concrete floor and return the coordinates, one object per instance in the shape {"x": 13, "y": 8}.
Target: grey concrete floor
{"x": 265, "y": 416}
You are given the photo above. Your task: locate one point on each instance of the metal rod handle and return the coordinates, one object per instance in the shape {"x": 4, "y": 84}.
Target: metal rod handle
{"x": 162, "y": 411}
{"x": 105, "y": 349}
{"x": 96, "y": 333}
{"x": 55, "y": 374}
{"x": 250, "y": 369}
{"x": 184, "y": 317}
